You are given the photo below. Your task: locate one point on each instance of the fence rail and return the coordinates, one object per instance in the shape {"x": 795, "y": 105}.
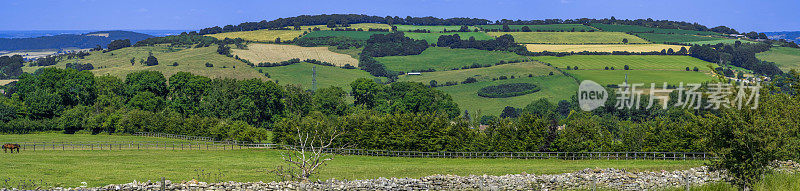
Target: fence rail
{"x": 222, "y": 145}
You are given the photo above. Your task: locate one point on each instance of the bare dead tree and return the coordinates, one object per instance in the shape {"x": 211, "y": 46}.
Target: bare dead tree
{"x": 311, "y": 151}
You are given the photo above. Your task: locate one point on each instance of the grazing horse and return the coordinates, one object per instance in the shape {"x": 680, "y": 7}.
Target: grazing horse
{"x": 11, "y": 147}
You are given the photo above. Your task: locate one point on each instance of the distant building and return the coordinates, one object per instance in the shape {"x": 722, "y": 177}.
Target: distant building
{"x": 414, "y": 73}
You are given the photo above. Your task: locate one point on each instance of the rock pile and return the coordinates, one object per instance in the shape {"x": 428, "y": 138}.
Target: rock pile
{"x": 617, "y": 179}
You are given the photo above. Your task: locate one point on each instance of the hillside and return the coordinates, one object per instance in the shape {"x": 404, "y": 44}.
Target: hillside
{"x": 88, "y": 40}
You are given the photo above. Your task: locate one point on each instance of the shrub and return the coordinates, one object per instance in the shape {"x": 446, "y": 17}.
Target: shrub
{"x": 508, "y": 90}
{"x": 469, "y": 80}
{"x": 209, "y": 65}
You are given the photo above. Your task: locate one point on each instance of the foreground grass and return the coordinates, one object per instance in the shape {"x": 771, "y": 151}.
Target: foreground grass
{"x": 776, "y": 181}
{"x": 442, "y": 59}
{"x": 554, "y": 88}
{"x": 786, "y": 58}
{"x": 98, "y": 168}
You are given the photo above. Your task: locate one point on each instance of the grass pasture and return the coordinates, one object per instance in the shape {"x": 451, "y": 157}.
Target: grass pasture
{"x": 554, "y": 88}
{"x": 100, "y": 168}
{"x": 432, "y": 28}
{"x": 606, "y": 77}
{"x": 786, "y": 58}
{"x": 723, "y": 41}
{"x": 362, "y": 26}
{"x": 601, "y": 47}
{"x": 357, "y": 35}
{"x": 434, "y": 37}
{"x": 641, "y": 29}
{"x": 258, "y": 53}
{"x": 300, "y": 74}
{"x": 264, "y": 35}
{"x": 570, "y": 37}
{"x": 483, "y": 74}
{"x": 635, "y": 62}
{"x": 675, "y": 38}
{"x": 542, "y": 28}
{"x": 442, "y": 59}
{"x": 189, "y": 60}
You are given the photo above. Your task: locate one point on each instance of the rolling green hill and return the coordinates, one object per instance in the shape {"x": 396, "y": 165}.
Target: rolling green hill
{"x": 483, "y": 74}
{"x": 542, "y": 28}
{"x": 641, "y": 29}
{"x": 675, "y": 38}
{"x": 357, "y": 35}
{"x": 570, "y": 37}
{"x": 117, "y": 63}
{"x": 441, "y": 59}
{"x": 554, "y": 88}
{"x": 614, "y": 77}
{"x": 434, "y": 37}
{"x": 786, "y": 58}
{"x": 430, "y": 28}
{"x": 634, "y": 62}
{"x": 300, "y": 73}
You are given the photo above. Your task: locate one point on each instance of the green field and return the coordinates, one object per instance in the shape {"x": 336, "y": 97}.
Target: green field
{"x": 676, "y": 38}
{"x": 442, "y": 59}
{"x": 723, "y": 41}
{"x": 786, "y": 58}
{"x": 363, "y": 26}
{"x": 614, "y": 77}
{"x": 635, "y": 62}
{"x": 189, "y": 60}
{"x": 482, "y": 74}
{"x": 554, "y": 88}
{"x": 431, "y": 28}
{"x": 641, "y": 29}
{"x": 358, "y": 35}
{"x": 434, "y": 37}
{"x": 300, "y": 73}
{"x": 570, "y": 37}
{"x": 542, "y": 28}
{"x": 70, "y": 168}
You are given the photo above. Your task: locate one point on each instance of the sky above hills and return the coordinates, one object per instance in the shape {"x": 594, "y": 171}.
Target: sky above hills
{"x": 742, "y": 15}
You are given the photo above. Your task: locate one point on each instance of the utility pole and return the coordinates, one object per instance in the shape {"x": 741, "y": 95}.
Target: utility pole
{"x": 314, "y": 78}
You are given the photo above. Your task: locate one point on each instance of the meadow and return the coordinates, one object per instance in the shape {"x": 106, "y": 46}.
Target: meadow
{"x": 441, "y": 59}
{"x": 601, "y": 47}
{"x": 482, "y": 74}
{"x": 431, "y": 28}
{"x": 433, "y": 38}
{"x": 300, "y": 74}
{"x": 70, "y": 168}
{"x": 786, "y": 58}
{"x": 117, "y": 63}
{"x": 357, "y": 35}
{"x": 554, "y": 88}
{"x": 723, "y": 41}
{"x": 615, "y": 77}
{"x": 362, "y": 26}
{"x": 675, "y": 38}
{"x": 641, "y": 29}
{"x": 551, "y": 27}
{"x": 570, "y": 37}
{"x": 264, "y": 35}
{"x": 634, "y": 62}
{"x": 257, "y": 53}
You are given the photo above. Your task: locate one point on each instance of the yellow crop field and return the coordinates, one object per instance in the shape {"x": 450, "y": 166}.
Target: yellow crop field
{"x": 264, "y": 35}
{"x": 570, "y": 37}
{"x": 601, "y": 47}
{"x": 258, "y": 53}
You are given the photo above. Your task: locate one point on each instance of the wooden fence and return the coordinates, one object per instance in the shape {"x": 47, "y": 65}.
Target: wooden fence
{"x": 221, "y": 145}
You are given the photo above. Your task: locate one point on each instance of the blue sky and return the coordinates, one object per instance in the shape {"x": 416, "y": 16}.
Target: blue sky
{"x": 778, "y": 15}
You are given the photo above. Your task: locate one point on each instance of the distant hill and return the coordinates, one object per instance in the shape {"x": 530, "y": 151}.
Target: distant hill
{"x": 788, "y": 35}
{"x": 88, "y": 40}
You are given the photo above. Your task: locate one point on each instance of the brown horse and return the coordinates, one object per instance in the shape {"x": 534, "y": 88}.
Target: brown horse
{"x": 11, "y": 147}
